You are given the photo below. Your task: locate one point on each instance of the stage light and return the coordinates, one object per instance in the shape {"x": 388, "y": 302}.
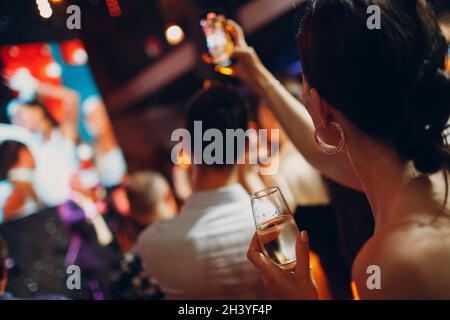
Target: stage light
{"x": 174, "y": 35}
{"x": 46, "y": 13}
{"x": 53, "y": 70}
{"x": 44, "y": 8}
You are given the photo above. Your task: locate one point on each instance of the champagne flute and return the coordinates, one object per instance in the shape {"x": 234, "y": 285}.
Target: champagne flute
{"x": 276, "y": 229}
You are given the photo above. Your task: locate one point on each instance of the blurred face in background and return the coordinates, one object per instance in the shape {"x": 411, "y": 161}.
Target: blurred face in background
{"x": 165, "y": 210}
{"x": 267, "y": 120}
{"x": 151, "y": 198}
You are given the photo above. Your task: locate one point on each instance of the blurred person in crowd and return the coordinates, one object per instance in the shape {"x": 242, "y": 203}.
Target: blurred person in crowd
{"x": 307, "y": 196}
{"x": 18, "y": 149}
{"x": 181, "y": 177}
{"x": 17, "y": 194}
{"x": 201, "y": 253}
{"x": 301, "y": 183}
{"x": 56, "y": 156}
{"x": 91, "y": 242}
{"x": 150, "y": 200}
{"x": 108, "y": 157}
{"x": 249, "y": 173}
{"x": 390, "y": 144}
{"x": 4, "y": 295}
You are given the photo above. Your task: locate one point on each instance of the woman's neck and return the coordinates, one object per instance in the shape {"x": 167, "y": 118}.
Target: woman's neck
{"x": 383, "y": 176}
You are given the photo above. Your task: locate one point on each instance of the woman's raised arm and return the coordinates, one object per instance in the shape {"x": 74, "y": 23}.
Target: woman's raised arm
{"x": 290, "y": 112}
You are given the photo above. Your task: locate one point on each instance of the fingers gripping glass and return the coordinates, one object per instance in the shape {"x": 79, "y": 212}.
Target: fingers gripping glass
{"x": 276, "y": 229}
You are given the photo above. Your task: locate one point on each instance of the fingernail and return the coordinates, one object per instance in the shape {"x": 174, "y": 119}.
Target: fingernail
{"x": 304, "y": 236}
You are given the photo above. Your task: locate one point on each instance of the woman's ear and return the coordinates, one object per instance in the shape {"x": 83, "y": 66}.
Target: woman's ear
{"x": 323, "y": 110}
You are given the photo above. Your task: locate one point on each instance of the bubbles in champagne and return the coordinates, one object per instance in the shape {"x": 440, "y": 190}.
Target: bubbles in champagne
{"x": 277, "y": 238}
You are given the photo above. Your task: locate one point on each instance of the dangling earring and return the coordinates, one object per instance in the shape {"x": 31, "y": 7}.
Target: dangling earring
{"x": 330, "y": 149}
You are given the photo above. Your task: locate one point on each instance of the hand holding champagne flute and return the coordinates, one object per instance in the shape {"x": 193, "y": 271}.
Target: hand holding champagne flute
{"x": 279, "y": 250}
{"x": 275, "y": 227}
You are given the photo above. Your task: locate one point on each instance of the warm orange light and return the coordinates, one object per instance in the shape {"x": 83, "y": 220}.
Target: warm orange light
{"x": 320, "y": 277}
{"x": 224, "y": 70}
{"x": 207, "y": 84}
{"x": 174, "y": 34}
{"x": 206, "y": 58}
{"x": 184, "y": 160}
{"x": 355, "y": 291}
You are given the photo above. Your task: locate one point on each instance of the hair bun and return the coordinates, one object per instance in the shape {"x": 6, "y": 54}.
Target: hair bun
{"x": 426, "y": 122}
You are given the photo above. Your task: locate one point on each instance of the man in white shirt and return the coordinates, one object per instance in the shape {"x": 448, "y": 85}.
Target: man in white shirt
{"x": 201, "y": 254}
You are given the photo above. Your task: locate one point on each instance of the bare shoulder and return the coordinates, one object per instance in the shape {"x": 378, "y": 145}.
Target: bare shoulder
{"x": 410, "y": 261}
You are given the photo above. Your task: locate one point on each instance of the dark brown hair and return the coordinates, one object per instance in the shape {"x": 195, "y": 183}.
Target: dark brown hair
{"x": 9, "y": 151}
{"x": 390, "y": 81}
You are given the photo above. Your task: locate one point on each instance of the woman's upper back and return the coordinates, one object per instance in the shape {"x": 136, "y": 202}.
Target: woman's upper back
{"x": 410, "y": 256}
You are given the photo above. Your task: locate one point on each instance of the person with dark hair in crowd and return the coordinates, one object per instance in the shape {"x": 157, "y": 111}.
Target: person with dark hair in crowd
{"x": 201, "y": 254}
{"x": 151, "y": 199}
{"x": 379, "y": 101}
{"x": 4, "y": 295}
{"x": 17, "y": 195}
